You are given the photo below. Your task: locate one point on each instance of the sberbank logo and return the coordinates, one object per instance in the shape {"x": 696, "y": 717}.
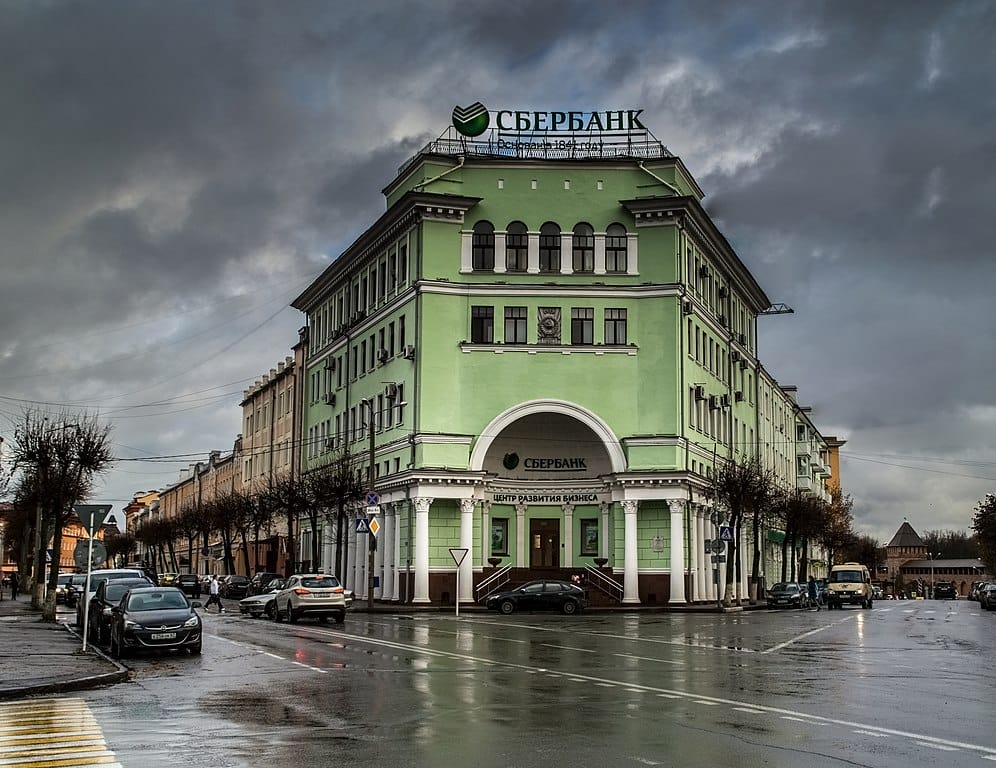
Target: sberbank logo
{"x": 471, "y": 121}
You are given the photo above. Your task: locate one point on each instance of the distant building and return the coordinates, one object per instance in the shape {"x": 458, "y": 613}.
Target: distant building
{"x": 906, "y": 557}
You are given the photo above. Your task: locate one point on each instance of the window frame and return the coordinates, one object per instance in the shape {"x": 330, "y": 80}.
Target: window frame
{"x": 616, "y": 248}
{"x": 516, "y": 319}
{"x": 583, "y": 248}
{"x": 550, "y": 248}
{"x": 482, "y": 318}
{"x": 482, "y": 250}
{"x": 582, "y": 326}
{"x": 499, "y": 543}
{"x": 516, "y": 247}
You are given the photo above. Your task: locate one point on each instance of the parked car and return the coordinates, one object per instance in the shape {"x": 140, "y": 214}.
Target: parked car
{"x": 234, "y": 587}
{"x": 262, "y": 604}
{"x": 98, "y": 576}
{"x": 154, "y": 618}
{"x": 878, "y": 593}
{"x": 260, "y": 583}
{"x": 65, "y": 579}
{"x": 167, "y": 579}
{"x": 988, "y": 596}
{"x": 786, "y": 594}
{"x": 541, "y": 595}
{"x": 73, "y": 588}
{"x": 310, "y": 594}
{"x": 108, "y": 595}
{"x": 189, "y": 584}
{"x": 945, "y": 590}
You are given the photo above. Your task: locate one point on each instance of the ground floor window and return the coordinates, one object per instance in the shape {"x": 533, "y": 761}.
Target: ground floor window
{"x": 589, "y": 537}
{"x": 499, "y": 536}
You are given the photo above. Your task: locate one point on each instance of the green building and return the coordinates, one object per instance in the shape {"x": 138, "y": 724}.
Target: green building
{"x": 553, "y": 345}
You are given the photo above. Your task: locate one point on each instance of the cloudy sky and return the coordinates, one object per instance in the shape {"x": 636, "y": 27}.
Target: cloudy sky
{"x": 172, "y": 174}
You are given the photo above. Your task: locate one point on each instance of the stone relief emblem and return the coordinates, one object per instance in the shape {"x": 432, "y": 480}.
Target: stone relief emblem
{"x": 548, "y": 325}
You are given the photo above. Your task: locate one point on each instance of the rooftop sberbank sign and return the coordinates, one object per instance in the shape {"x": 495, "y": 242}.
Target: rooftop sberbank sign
{"x": 474, "y": 120}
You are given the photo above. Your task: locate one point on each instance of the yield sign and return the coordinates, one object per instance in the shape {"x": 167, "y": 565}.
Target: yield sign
{"x": 458, "y": 554}
{"x": 91, "y": 515}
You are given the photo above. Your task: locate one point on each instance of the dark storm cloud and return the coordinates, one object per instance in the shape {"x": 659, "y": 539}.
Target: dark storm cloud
{"x": 172, "y": 170}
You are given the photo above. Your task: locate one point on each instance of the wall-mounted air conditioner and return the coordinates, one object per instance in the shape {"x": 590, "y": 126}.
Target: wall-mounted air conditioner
{"x": 713, "y": 403}
{"x": 735, "y": 356}
{"x": 700, "y": 392}
{"x": 722, "y": 292}
{"x": 391, "y": 390}
{"x": 686, "y": 307}
{"x": 703, "y": 271}
{"x": 724, "y": 401}
{"x": 409, "y": 353}
{"x": 738, "y": 396}
{"x": 329, "y": 398}
{"x": 383, "y": 356}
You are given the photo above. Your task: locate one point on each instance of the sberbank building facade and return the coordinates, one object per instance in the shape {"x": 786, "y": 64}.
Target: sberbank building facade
{"x": 555, "y": 347}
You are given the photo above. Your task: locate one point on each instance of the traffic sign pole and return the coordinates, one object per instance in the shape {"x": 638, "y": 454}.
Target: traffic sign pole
{"x": 86, "y": 594}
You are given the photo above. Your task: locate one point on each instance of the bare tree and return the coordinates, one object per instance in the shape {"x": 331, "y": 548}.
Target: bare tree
{"x": 284, "y": 498}
{"x": 63, "y": 457}
{"x": 837, "y": 533}
{"x": 118, "y": 545}
{"x": 333, "y": 488}
{"x": 984, "y": 525}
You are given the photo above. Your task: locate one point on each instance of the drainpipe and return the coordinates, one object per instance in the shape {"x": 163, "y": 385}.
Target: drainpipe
{"x": 456, "y": 167}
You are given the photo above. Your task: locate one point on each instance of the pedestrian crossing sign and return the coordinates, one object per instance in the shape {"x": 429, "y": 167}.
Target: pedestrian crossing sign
{"x": 726, "y": 533}
{"x": 362, "y": 526}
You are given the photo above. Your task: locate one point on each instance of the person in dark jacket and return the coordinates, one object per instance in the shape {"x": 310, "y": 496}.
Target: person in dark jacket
{"x": 814, "y": 593}
{"x": 14, "y": 584}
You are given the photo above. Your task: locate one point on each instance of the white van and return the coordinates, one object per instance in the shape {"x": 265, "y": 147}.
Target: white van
{"x": 98, "y": 576}
{"x": 849, "y": 583}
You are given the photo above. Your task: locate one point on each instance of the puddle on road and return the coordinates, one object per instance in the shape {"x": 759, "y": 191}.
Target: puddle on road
{"x": 256, "y": 710}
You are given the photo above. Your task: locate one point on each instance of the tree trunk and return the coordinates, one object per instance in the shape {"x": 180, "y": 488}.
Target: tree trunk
{"x": 785, "y": 542}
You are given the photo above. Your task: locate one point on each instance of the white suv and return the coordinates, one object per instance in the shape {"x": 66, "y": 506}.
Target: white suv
{"x": 310, "y": 594}
{"x": 103, "y": 574}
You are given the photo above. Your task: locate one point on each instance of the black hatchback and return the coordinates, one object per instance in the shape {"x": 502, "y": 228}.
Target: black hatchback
{"x": 189, "y": 584}
{"x": 542, "y": 595}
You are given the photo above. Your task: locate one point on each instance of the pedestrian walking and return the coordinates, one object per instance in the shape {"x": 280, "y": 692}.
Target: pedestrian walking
{"x": 814, "y": 593}
{"x": 14, "y": 584}
{"x": 213, "y": 597}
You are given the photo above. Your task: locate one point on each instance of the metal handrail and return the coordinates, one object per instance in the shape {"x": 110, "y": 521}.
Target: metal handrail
{"x": 603, "y": 583}
{"x": 486, "y": 583}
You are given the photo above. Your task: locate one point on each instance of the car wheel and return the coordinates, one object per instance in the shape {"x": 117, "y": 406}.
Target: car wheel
{"x": 276, "y": 613}
{"x": 340, "y": 618}
{"x": 291, "y": 615}
{"x": 506, "y": 607}
{"x": 196, "y": 649}
{"x": 569, "y": 607}
{"x": 269, "y": 610}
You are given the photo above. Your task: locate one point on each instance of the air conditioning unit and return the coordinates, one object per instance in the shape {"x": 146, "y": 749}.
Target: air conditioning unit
{"x": 686, "y": 307}
{"x": 724, "y": 401}
{"x": 700, "y": 392}
{"x": 383, "y": 355}
{"x": 409, "y": 352}
{"x": 703, "y": 271}
{"x": 722, "y": 320}
{"x": 391, "y": 390}
{"x": 722, "y": 292}
{"x": 738, "y": 396}
{"x": 329, "y": 398}
{"x": 713, "y": 403}
{"x": 330, "y": 364}
{"x": 742, "y": 338}
{"x": 743, "y": 363}
{"x": 735, "y": 356}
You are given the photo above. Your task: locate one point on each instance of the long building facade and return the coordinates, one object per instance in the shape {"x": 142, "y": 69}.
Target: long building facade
{"x": 555, "y": 348}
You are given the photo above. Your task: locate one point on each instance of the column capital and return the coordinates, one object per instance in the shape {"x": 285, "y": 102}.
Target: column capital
{"x": 629, "y": 506}
{"x": 422, "y": 503}
{"x": 467, "y": 505}
{"x": 568, "y": 508}
{"x": 676, "y": 505}
{"x": 520, "y": 509}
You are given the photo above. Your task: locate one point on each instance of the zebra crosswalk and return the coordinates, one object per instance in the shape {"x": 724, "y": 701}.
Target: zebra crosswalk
{"x": 52, "y": 733}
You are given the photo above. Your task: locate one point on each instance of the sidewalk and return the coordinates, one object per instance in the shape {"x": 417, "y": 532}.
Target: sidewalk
{"x": 37, "y": 657}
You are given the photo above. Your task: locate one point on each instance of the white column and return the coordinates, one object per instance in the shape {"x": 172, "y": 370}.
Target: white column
{"x": 695, "y": 555}
{"x": 500, "y": 258}
{"x": 396, "y": 594}
{"x": 361, "y": 565}
{"x": 677, "y": 551}
{"x": 631, "y": 562}
{"x": 632, "y": 265}
{"x": 387, "y": 542}
{"x": 378, "y": 559}
{"x": 521, "y": 560}
{"x": 705, "y": 572}
{"x": 466, "y": 244}
{"x": 568, "y": 536}
{"x": 599, "y": 253}
{"x": 532, "y": 262}
{"x": 744, "y": 563}
{"x": 350, "y": 571}
{"x": 422, "y": 505}
{"x": 606, "y": 521}
{"x": 566, "y": 253}
{"x": 467, "y": 542}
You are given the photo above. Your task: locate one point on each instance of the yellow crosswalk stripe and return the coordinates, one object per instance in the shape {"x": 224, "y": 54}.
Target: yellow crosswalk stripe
{"x": 52, "y": 733}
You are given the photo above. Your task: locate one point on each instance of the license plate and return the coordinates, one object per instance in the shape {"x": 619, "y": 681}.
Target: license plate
{"x": 164, "y": 636}
{"x": 320, "y": 594}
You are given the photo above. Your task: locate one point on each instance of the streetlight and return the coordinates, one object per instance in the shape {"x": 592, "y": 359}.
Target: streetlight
{"x": 932, "y": 556}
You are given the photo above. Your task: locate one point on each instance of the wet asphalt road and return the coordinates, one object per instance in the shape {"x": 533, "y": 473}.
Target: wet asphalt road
{"x": 905, "y": 684}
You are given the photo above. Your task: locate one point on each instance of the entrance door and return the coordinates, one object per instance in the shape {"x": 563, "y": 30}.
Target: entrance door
{"x": 544, "y": 543}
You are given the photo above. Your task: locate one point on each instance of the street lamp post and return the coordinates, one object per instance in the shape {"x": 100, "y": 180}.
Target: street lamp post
{"x": 932, "y": 556}
{"x": 371, "y": 486}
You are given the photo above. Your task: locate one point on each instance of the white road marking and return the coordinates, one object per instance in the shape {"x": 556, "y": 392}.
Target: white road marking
{"x": 568, "y": 648}
{"x": 869, "y": 733}
{"x": 804, "y": 635}
{"x": 648, "y": 658}
{"x": 749, "y": 710}
{"x": 794, "y": 718}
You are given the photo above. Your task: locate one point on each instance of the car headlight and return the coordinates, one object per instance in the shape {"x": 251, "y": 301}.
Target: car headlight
{"x": 193, "y": 621}
{"x": 129, "y": 624}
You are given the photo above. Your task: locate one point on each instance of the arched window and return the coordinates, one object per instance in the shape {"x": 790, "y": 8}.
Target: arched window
{"x": 483, "y": 247}
{"x": 615, "y": 248}
{"x": 549, "y": 248}
{"x": 516, "y": 247}
{"x": 583, "y": 248}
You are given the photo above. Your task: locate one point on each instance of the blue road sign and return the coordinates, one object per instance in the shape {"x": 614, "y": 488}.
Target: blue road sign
{"x": 726, "y": 533}
{"x": 362, "y": 526}
{"x": 373, "y": 499}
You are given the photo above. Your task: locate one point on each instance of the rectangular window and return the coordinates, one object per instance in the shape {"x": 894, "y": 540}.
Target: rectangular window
{"x": 402, "y": 264}
{"x": 582, "y": 325}
{"x": 363, "y": 356}
{"x": 482, "y": 325}
{"x": 401, "y": 332}
{"x": 400, "y": 404}
{"x": 589, "y": 537}
{"x": 499, "y": 536}
{"x": 372, "y": 351}
{"x": 515, "y": 325}
{"x": 390, "y": 339}
{"x": 615, "y": 326}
